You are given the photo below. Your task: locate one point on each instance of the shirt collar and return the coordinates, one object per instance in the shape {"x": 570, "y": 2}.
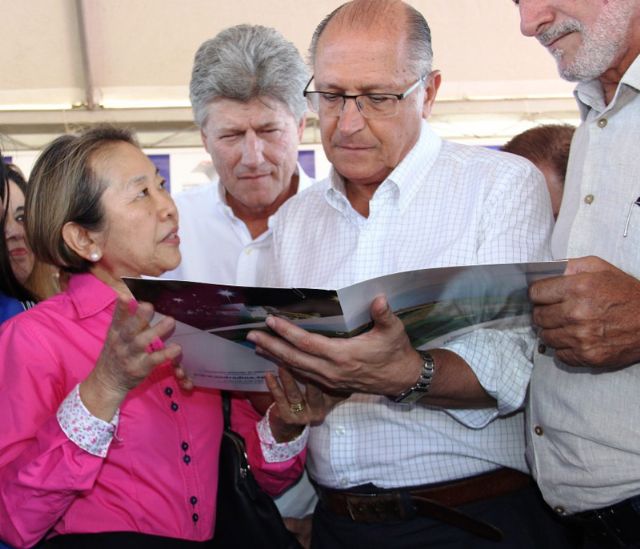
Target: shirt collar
{"x": 407, "y": 177}
{"x": 411, "y": 173}
{"x": 589, "y": 95}
{"x": 90, "y": 295}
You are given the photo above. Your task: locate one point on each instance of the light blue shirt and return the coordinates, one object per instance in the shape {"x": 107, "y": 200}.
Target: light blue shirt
{"x": 583, "y": 426}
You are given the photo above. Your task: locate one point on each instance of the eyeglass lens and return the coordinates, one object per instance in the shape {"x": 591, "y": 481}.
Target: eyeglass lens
{"x": 371, "y": 106}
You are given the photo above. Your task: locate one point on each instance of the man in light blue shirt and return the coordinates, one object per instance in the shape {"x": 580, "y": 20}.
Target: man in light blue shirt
{"x": 583, "y": 438}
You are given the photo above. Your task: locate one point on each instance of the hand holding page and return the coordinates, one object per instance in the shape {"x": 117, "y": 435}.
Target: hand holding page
{"x": 435, "y": 305}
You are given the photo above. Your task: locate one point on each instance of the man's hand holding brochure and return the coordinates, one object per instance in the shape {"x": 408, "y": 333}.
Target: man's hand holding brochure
{"x": 434, "y": 305}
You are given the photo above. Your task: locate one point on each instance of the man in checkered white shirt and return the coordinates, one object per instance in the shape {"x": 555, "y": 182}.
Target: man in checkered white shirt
{"x": 448, "y": 469}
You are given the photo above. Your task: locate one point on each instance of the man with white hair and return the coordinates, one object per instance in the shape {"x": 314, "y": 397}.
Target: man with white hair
{"x": 246, "y": 93}
{"x": 583, "y": 440}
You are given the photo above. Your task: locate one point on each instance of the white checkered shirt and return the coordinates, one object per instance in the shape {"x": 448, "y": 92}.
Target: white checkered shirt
{"x": 445, "y": 204}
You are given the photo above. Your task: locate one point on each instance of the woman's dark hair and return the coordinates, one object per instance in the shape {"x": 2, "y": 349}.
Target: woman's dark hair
{"x": 9, "y": 284}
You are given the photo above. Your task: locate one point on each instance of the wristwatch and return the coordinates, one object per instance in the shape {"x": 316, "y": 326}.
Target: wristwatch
{"x": 421, "y": 387}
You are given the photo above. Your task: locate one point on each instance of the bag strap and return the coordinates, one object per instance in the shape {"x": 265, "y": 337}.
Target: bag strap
{"x": 226, "y": 409}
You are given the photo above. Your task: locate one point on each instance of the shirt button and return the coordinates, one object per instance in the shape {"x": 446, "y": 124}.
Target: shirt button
{"x": 248, "y": 251}
{"x": 195, "y": 517}
{"x": 340, "y": 430}
{"x": 602, "y": 123}
{"x": 344, "y": 482}
{"x": 542, "y": 348}
{"x": 538, "y": 430}
{"x": 186, "y": 459}
{"x": 185, "y": 446}
{"x": 168, "y": 391}
{"x": 589, "y": 199}
{"x": 174, "y": 406}
{"x": 193, "y": 500}
{"x": 560, "y": 510}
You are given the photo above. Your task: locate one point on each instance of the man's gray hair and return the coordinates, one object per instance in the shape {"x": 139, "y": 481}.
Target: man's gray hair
{"x": 368, "y": 12}
{"x": 245, "y": 62}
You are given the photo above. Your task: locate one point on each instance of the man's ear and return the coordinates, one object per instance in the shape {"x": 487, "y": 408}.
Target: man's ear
{"x": 81, "y": 241}
{"x": 203, "y": 136}
{"x": 431, "y": 90}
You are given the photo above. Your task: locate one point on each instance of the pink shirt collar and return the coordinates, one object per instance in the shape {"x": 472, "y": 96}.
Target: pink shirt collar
{"x": 90, "y": 295}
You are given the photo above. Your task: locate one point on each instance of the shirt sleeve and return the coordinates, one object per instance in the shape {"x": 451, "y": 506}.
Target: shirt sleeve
{"x": 41, "y": 470}
{"x": 275, "y": 466}
{"x": 90, "y": 433}
{"x": 502, "y": 362}
{"x": 274, "y": 451}
{"x": 516, "y": 228}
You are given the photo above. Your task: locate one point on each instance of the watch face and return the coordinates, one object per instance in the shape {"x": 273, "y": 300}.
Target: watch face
{"x": 410, "y": 397}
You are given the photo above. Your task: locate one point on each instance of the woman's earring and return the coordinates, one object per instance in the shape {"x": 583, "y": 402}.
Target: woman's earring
{"x": 94, "y": 256}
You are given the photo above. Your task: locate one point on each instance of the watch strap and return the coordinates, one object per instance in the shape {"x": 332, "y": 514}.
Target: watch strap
{"x": 421, "y": 387}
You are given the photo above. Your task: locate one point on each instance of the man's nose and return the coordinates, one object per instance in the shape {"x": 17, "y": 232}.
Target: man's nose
{"x": 252, "y": 149}
{"x": 350, "y": 119}
{"x": 535, "y": 16}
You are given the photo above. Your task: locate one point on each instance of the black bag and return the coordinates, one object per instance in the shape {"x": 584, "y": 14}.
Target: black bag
{"x": 246, "y": 516}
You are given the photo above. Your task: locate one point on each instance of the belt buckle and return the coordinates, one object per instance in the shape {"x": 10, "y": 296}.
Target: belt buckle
{"x": 376, "y": 507}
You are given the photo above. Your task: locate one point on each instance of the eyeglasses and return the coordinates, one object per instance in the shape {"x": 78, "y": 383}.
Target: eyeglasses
{"x": 370, "y": 105}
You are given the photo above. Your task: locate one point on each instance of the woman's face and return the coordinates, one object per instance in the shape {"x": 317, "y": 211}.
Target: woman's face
{"x": 140, "y": 234}
{"x": 20, "y": 255}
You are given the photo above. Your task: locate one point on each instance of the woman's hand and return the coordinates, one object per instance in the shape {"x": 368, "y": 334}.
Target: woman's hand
{"x": 183, "y": 379}
{"x": 133, "y": 348}
{"x": 292, "y": 410}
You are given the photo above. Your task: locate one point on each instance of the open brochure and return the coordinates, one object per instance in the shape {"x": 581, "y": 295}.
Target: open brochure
{"x": 435, "y": 305}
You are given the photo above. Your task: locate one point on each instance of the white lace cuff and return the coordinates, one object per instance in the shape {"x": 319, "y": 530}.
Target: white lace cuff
{"x": 88, "y": 432}
{"x": 276, "y": 452}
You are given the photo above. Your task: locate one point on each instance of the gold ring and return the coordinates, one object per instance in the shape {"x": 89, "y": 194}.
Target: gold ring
{"x": 296, "y": 407}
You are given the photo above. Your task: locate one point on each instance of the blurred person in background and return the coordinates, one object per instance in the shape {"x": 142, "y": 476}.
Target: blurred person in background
{"x": 547, "y": 147}
{"x": 16, "y": 258}
{"x": 21, "y": 256}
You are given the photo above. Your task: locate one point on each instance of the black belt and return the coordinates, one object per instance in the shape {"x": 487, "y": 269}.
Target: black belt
{"x": 436, "y": 501}
{"x": 617, "y": 525}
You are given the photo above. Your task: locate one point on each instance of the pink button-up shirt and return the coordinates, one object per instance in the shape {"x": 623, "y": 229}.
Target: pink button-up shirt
{"x": 159, "y": 475}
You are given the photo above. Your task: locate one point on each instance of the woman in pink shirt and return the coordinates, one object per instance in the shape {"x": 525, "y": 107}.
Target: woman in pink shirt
{"x": 97, "y": 435}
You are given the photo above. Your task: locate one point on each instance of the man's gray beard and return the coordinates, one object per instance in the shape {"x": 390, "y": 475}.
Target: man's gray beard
{"x": 591, "y": 60}
{"x": 600, "y": 44}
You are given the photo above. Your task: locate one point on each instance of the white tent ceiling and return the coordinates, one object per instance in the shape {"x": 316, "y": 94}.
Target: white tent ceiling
{"x": 72, "y": 62}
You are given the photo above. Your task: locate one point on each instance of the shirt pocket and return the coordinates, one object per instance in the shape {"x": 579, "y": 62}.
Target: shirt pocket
{"x": 628, "y": 252}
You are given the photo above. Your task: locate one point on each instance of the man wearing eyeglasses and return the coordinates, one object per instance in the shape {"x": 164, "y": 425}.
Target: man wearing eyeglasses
{"x": 392, "y": 469}
{"x": 585, "y": 447}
